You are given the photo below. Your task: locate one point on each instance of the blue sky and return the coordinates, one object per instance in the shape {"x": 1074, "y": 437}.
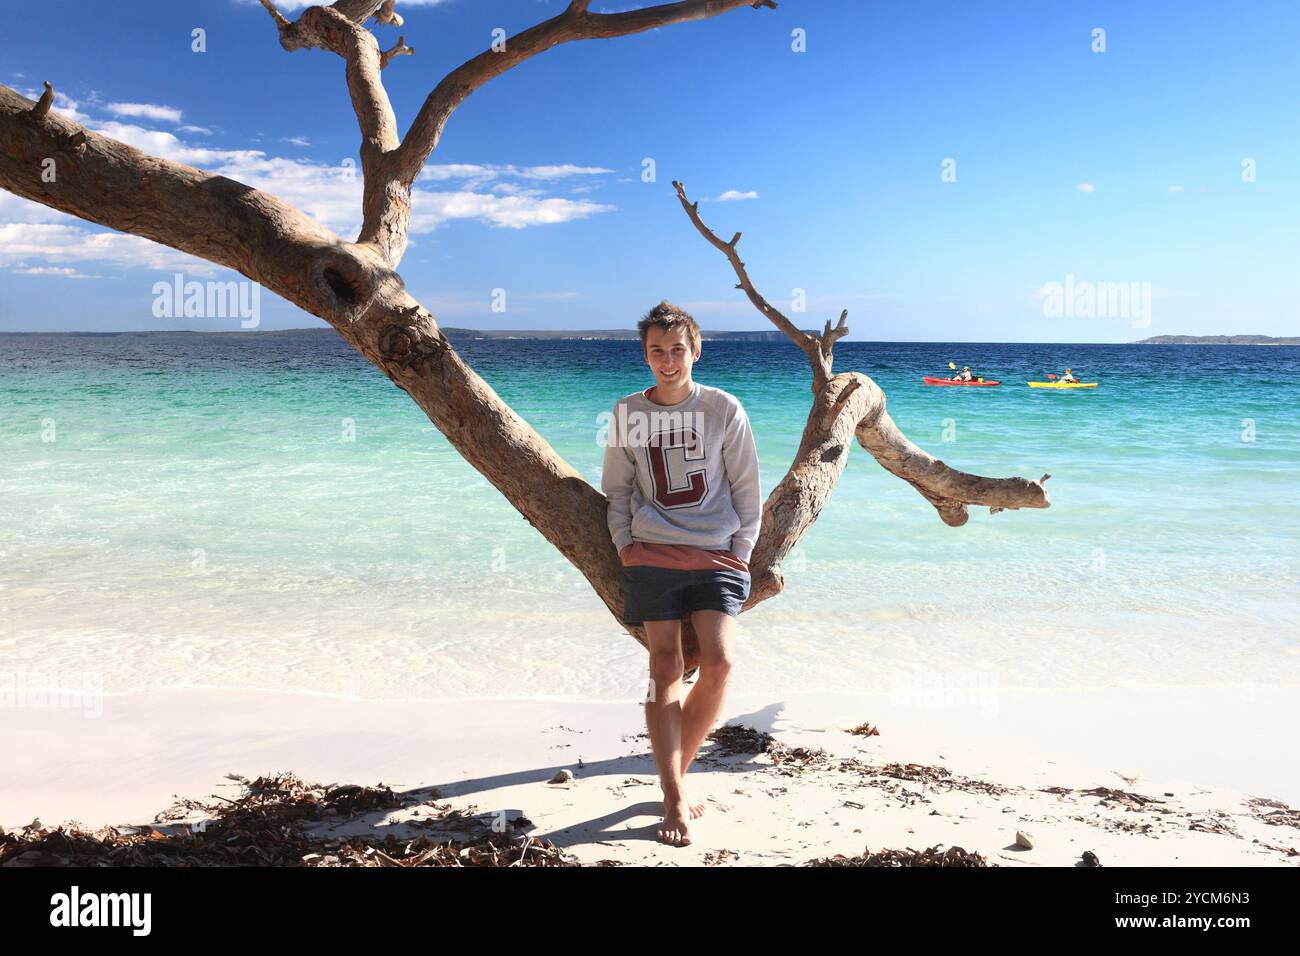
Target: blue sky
{"x": 1117, "y": 166}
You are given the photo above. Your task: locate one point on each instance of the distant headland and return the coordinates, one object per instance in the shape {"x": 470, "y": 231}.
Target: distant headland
{"x": 1220, "y": 340}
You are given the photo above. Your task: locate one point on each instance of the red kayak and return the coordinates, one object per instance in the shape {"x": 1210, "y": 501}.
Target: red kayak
{"x": 947, "y": 381}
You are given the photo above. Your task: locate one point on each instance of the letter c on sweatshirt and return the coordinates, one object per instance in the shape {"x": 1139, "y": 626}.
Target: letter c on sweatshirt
{"x": 692, "y": 447}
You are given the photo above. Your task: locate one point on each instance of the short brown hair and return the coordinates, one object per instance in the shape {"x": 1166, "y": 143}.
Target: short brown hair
{"x": 669, "y": 317}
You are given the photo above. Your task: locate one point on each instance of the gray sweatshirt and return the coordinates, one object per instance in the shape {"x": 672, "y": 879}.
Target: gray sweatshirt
{"x": 683, "y": 474}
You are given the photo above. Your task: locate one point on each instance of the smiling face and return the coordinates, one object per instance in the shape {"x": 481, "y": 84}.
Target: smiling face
{"x": 670, "y": 356}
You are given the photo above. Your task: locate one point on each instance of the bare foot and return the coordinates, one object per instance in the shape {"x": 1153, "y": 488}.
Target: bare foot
{"x": 673, "y": 830}
{"x": 696, "y": 808}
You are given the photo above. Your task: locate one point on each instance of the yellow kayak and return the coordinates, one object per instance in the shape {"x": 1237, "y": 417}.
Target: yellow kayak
{"x": 1061, "y": 384}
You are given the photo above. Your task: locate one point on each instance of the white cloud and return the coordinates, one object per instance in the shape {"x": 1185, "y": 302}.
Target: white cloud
{"x": 1086, "y": 188}
{"x": 330, "y": 194}
{"x": 59, "y": 243}
{"x": 476, "y": 175}
{"x": 63, "y": 272}
{"x": 556, "y": 172}
{"x": 168, "y": 146}
{"x": 456, "y": 171}
{"x": 201, "y": 130}
{"x": 734, "y": 195}
{"x": 152, "y": 111}
{"x": 16, "y": 209}
{"x": 296, "y": 140}
{"x": 514, "y": 189}
{"x": 432, "y": 209}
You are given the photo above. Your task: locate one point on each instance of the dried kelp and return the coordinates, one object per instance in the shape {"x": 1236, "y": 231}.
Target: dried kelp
{"x": 1131, "y": 801}
{"x": 737, "y": 739}
{"x": 934, "y": 856}
{"x": 270, "y": 823}
{"x": 1273, "y": 812}
{"x": 791, "y": 761}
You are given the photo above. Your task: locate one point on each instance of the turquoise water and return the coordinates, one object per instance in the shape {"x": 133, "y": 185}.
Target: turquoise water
{"x": 266, "y": 510}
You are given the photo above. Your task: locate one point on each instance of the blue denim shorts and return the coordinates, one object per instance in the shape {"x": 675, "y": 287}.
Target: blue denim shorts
{"x": 664, "y": 594}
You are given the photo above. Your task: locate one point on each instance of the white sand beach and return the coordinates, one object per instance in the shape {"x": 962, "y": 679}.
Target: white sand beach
{"x": 966, "y": 773}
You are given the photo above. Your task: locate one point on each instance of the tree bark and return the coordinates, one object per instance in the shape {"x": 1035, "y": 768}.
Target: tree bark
{"x": 354, "y": 286}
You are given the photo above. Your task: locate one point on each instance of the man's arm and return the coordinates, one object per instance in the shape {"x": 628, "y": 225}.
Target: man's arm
{"x": 617, "y": 480}
{"x": 741, "y": 457}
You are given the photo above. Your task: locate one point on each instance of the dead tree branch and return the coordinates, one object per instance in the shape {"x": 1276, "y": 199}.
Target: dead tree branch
{"x": 386, "y": 208}
{"x": 817, "y": 346}
{"x": 398, "y": 49}
{"x": 852, "y": 401}
{"x": 389, "y": 166}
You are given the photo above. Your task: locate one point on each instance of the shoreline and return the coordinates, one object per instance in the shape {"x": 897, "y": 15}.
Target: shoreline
{"x": 980, "y": 771}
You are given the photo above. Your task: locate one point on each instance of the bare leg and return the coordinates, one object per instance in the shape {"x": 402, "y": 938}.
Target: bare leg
{"x": 716, "y": 633}
{"x": 663, "y": 715}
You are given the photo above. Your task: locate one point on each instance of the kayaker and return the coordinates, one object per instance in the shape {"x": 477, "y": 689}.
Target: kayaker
{"x": 1068, "y": 376}
{"x": 964, "y": 375}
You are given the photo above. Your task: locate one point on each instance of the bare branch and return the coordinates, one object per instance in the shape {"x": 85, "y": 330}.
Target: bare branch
{"x": 861, "y": 400}
{"x": 385, "y": 203}
{"x": 280, "y": 21}
{"x": 816, "y": 347}
{"x": 386, "y": 14}
{"x": 948, "y": 489}
{"x": 830, "y": 335}
{"x": 327, "y": 29}
{"x": 358, "y": 11}
{"x": 575, "y": 23}
{"x": 401, "y": 49}
{"x": 42, "y": 107}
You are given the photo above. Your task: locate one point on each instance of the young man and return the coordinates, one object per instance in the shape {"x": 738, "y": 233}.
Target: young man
{"x": 681, "y": 475}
